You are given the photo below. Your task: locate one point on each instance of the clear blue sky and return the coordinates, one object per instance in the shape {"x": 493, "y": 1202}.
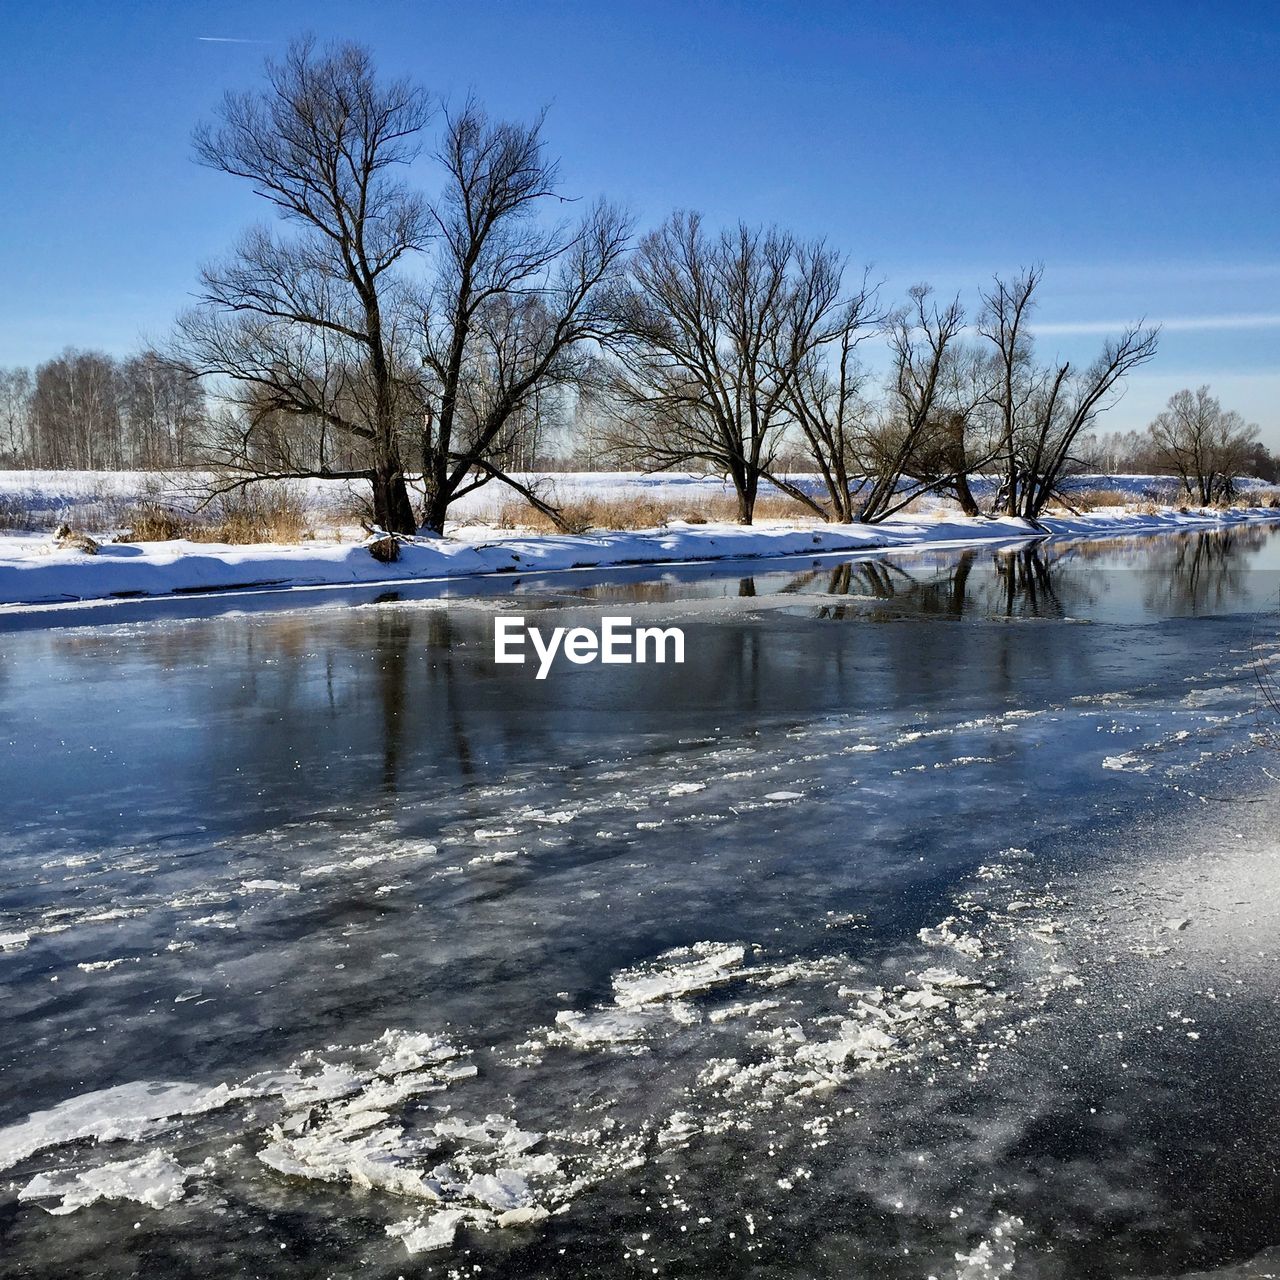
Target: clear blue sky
{"x": 1134, "y": 148}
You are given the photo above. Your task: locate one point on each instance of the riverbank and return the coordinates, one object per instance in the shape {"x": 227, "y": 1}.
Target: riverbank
{"x": 34, "y": 570}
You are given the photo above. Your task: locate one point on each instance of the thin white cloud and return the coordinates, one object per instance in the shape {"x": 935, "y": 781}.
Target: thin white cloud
{"x": 229, "y": 40}
{"x": 1170, "y": 324}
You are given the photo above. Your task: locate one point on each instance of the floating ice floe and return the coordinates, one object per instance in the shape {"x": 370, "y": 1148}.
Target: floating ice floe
{"x": 679, "y": 972}
{"x": 946, "y": 935}
{"x": 494, "y": 859}
{"x": 104, "y": 966}
{"x": 685, "y": 788}
{"x": 435, "y": 1231}
{"x": 1126, "y": 763}
{"x": 602, "y": 1027}
{"x": 155, "y": 1179}
{"x": 126, "y": 1113}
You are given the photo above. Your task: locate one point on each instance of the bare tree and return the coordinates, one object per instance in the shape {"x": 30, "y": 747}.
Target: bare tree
{"x": 961, "y": 437}
{"x": 307, "y": 323}
{"x": 1204, "y": 445}
{"x": 923, "y": 338}
{"x": 162, "y": 412}
{"x": 15, "y": 415}
{"x": 827, "y": 401}
{"x": 712, "y": 332}
{"x": 330, "y": 328}
{"x": 75, "y": 412}
{"x": 1123, "y": 453}
{"x": 511, "y": 306}
{"x": 1043, "y": 410}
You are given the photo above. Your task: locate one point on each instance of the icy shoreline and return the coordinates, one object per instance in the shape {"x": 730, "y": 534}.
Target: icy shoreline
{"x": 33, "y": 572}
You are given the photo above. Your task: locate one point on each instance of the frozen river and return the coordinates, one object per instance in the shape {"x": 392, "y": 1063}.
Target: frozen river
{"x": 920, "y": 924}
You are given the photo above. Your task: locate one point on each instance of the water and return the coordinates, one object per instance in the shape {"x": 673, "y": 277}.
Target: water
{"x": 411, "y": 911}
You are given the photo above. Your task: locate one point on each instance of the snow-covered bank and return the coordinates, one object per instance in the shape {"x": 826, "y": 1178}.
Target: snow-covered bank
{"x": 34, "y": 571}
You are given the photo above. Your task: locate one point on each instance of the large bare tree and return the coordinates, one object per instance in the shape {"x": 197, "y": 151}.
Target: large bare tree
{"x": 393, "y": 329}
{"x": 828, "y": 402}
{"x": 304, "y": 319}
{"x": 1043, "y": 410}
{"x": 1204, "y": 445}
{"x": 713, "y": 329}
{"x": 512, "y": 307}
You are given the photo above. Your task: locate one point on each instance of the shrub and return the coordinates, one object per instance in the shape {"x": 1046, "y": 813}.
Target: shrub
{"x": 636, "y": 512}
{"x": 261, "y": 513}
{"x": 153, "y": 522}
{"x": 1092, "y": 499}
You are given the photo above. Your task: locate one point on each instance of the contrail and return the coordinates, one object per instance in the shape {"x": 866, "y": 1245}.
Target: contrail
{"x": 1174, "y": 324}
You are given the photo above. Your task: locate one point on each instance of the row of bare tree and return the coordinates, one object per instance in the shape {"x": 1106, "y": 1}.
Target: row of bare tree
{"x": 734, "y": 342}
{"x": 427, "y": 341}
{"x": 85, "y": 409}
{"x": 423, "y": 338}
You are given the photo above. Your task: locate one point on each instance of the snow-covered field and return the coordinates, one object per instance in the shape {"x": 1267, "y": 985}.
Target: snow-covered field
{"x": 95, "y": 500}
{"x": 34, "y": 571}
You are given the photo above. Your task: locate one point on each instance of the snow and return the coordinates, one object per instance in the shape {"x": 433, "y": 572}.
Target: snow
{"x": 90, "y": 496}
{"x": 33, "y": 571}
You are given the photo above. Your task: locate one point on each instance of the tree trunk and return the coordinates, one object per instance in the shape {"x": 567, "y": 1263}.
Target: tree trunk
{"x": 392, "y": 510}
{"x": 435, "y": 502}
{"x": 964, "y": 495}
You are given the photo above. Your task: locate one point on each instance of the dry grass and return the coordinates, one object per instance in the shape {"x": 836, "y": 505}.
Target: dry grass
{"x": 638, "y": 512}
{"x": 641, "y": 512}
{"x": 769, "y": 506}
{"x": 1092, "y": 499}
{"x": 1086, "y": 500}
{"x": 265, "y": 513}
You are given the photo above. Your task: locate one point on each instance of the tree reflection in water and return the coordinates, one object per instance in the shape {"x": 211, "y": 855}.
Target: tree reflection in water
{"x": 1201, "y": 573}
{"x": 1017, "y": 582}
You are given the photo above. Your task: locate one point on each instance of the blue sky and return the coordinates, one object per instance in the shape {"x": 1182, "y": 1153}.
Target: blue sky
{"x": 1132, "y": 148}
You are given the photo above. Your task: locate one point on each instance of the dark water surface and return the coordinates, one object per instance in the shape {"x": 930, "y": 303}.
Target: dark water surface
{"x": 411, "y": 910}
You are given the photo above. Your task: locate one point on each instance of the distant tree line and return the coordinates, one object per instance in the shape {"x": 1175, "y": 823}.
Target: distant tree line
{"x": 86, "y": 409}
{"x": 430, "y": 314}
